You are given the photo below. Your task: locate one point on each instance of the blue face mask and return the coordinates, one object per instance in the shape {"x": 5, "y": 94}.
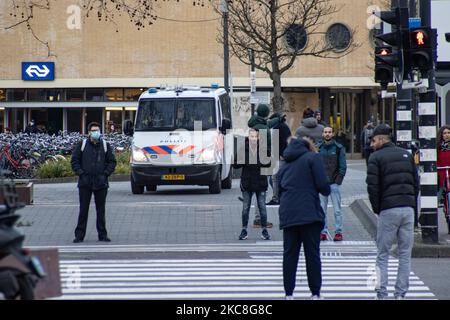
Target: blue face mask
{"x": 95, "y": 135}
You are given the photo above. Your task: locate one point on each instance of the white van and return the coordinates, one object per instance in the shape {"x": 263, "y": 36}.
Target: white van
{"x": 166, "y": 150}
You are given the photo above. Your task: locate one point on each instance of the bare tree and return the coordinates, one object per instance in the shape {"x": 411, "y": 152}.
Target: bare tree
{"x": 265, "y": 26}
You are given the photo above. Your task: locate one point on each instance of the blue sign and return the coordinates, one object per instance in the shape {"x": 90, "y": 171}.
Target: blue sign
{"x": 38, "y": 71}
{"x": 415, "y": 23}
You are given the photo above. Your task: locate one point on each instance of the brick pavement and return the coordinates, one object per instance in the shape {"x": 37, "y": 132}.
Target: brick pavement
{"x": 172, "y": 215}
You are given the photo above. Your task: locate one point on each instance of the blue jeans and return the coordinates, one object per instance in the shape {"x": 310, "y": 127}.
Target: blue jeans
{"x": 395, "y": 225}
{"x": 261, "y": 201}
{"x": 336, "y": 199}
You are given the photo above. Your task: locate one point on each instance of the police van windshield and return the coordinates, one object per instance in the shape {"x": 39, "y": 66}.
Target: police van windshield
{"x": 172, "y": 114}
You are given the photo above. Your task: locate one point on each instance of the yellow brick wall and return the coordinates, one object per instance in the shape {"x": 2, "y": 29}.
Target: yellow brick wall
{"x": 166, "y": 49}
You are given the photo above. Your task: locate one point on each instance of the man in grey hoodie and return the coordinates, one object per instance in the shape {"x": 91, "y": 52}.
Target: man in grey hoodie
{"x": 310, "y": 127}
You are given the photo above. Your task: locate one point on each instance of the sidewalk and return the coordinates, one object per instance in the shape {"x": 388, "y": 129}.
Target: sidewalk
{"x": 363, "y": 210}
{"x": 172, "y": 215}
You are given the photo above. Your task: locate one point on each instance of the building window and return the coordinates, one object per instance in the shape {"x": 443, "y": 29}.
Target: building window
{"x": 114, "y": 94}
{"x": 36, "y": 95}
{"x": 15, "y": 94}
{"x": 74, "y": 94}
{"x": 113, "y": 120}
{"x": 2, "y": 94}
{"x": 296, "y": 37}
{"x": 133, "y": 94}
{"x": 74, "y": 120}
{"x": 338, "y": 37}
{"x": 49, "y": 95}
{"x": 95, "y": 94}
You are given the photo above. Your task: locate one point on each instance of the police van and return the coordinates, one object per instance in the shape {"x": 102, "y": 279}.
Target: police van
{"x": 180, "y": 138}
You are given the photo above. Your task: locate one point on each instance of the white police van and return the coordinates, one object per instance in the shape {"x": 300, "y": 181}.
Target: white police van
{"x": 180, "y": 138}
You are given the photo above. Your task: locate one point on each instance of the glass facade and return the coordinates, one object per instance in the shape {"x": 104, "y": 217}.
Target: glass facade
{"x": 75, "y": 94}
{"x": 114, "y": 94}
{"x": 74, "y": 120}
{"x": 132, "y": 94}
{"x": 15, "y": 95}
{"x": 95, "y": 94}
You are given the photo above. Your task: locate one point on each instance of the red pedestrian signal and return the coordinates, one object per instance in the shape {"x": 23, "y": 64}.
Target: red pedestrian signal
{"x": 419, "y": 39}
{"x": 421, "y": 52}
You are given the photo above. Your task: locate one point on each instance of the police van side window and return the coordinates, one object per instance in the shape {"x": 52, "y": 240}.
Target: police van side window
{"x": 226, "y": 106}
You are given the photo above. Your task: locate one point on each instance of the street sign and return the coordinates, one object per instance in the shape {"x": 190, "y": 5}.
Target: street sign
{"x": 415, "y": 22}
{"x": 260, "y": 97}
{"x": 38, "y": 71}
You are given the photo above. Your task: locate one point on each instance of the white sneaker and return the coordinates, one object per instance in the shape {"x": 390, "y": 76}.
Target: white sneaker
{"x": 315, "y": 297}
{"x": 289, "y": 298}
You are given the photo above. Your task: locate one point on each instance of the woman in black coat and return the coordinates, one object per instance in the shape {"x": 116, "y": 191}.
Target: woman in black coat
{"x": 301, "y": 180}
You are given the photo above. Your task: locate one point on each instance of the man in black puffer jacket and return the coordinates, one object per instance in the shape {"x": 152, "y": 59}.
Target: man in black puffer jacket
{"x": 393, "y": 187}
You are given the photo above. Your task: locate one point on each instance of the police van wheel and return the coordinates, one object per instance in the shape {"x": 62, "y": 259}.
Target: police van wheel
{"x": 136, "y": 189}
{"x": 216, "y": 186}
{"x": 226, "y": 184}
{"x": 151, "y": 187}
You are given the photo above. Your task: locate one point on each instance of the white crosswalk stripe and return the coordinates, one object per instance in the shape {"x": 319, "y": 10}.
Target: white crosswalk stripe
{"x": 257, "y": 277}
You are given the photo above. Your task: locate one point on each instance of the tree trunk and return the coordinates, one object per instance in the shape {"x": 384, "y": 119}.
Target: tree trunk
{"x": 277, "y": 100}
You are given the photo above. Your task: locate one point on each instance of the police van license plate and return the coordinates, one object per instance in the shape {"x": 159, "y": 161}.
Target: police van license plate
{"x": 173, "y": 177}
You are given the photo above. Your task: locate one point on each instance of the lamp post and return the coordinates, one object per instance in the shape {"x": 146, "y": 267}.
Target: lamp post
{"x": 226, "y": 55}
{"x": 251, "y": 56}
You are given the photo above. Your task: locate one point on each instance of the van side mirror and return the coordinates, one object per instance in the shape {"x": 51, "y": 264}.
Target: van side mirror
{"x": 128, "y": 128}
{"x": 226, "y": 125}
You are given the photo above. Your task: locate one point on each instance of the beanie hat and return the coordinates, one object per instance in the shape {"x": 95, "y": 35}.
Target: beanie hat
{"x": 263, "y": 110}
{"x": 382, "y": 129}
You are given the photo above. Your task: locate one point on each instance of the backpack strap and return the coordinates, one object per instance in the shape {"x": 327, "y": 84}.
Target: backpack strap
{"x": 83, "y": 145}
{"x": 105, "y": 145}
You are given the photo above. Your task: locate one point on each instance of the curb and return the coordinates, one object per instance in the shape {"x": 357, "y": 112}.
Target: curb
{"x": 114, "y": 177}
{"x": 420, "y": 249}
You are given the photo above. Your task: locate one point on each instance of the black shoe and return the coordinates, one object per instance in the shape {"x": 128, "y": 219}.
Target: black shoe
{"x": 104, "y": 239}
{"x": 265, "y": 235}
{"x": 273, "y": 203}
{"x": 243, "y": 235}
{"x": 77, "y": 240}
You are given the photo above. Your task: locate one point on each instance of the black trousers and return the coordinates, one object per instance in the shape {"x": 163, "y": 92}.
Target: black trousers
{"x": 293, "y": 238}
{"x": 85, "y": 199}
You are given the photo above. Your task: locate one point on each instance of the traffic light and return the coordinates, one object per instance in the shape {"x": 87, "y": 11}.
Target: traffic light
{"x": 398, "y": 39}
{"x": 384, "y": 71}
{"x": 421, "y": 52}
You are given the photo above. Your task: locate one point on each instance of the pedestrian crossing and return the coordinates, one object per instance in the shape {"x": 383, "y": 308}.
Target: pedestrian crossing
{"x": 257, "y": 277}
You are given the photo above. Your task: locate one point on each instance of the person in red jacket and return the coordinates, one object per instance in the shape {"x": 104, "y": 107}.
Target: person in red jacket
{"x": 443, "y": 151}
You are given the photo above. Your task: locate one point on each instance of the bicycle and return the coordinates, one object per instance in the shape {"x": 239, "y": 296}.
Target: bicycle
{"x": 446, "y": 189}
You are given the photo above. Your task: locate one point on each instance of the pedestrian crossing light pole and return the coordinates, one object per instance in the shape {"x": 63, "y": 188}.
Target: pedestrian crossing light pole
{"x": 423, "y": 57}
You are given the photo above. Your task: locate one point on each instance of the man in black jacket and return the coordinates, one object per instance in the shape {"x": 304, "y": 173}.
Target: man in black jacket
{"x": 93, "y": 165}
{"x": 393, "y": 187}
{"x": 252, "y": 182}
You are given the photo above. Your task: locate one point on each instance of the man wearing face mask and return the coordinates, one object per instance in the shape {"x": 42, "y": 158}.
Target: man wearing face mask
{"x": 93, "y": 161}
